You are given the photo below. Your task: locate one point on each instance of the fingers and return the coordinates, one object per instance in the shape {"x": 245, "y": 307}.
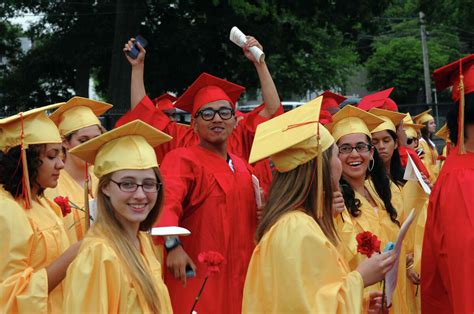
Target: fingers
{"x": 251, "y": 42}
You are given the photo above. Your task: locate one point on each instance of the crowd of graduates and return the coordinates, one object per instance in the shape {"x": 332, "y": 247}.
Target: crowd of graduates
{"x": 281, "y": 196}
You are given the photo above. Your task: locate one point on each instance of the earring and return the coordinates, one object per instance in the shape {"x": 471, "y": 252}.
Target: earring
{"x": 371, "y": 164}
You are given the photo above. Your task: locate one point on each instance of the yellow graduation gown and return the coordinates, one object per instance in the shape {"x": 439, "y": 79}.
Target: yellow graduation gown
{"x": 98, "y": 282}
{"x": 378, "y": 222}
{"x": 430, "y": 159}
{"x": 31, "y": 240}
{"x": 295, "y": 269}
{"x": 67, "y": 186}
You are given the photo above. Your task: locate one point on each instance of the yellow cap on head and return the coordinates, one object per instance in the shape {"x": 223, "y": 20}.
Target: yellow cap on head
{"x": 78, "y": 113}
{"x": 29, "y": 127}
{"x": 351, "y": 120}
{"x": 391, "y": 119}
{"x": 411, "y": 129}
{"x": 443, "y": 132}
{"x": 291, "y": 139}
{"x": 127, "y": 147}
{"x": 423, "y": 117}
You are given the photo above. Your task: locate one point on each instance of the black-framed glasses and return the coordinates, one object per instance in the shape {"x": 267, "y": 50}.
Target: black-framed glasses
{"x": 410, "y": 140}
{"x": 360, "y": 148}
{"x": 208, "y": 114}
{"x": 130, "y": 187}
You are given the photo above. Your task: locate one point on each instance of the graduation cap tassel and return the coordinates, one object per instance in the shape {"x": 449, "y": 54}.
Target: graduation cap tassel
{"x": 462, "y": 148}
{"x": 86, "y": 199}
{"x": 319, "y": 191}
{"x": 25, "y": 181}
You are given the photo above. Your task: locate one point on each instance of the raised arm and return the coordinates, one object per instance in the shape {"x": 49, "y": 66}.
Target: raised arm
{"x": 269, "y": 91}
{"x": 137, "y": 85}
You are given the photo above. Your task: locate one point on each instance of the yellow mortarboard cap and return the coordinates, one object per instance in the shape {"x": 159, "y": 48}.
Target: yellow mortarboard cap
{"x": 291, "y": 138}
{"x": 28, "y": 128}
{"x": 411, "y": 129}
{"x": 350, "y": 120}
{"x": 127, "y": 147}
{"x": 35, "y": 126}
{"x": 423, "y": 117}
{"x": 443, "y": 132}
{"x": 78, "y": 113}
{"x": 391, "y": 119}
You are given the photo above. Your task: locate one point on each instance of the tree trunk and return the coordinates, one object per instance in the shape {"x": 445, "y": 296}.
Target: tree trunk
{"x": 129, "y": 14}
{"x": 82, "y": 79}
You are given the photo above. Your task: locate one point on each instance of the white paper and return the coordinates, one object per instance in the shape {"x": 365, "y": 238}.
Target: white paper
{"x": 170, "y": 231}
{"x": 413, "y": 174}
{"x": 92, "y": 211}
{"x": 391, "y": 276}
{"x": 238, "y": 38}
{"x": 256, "y": 189}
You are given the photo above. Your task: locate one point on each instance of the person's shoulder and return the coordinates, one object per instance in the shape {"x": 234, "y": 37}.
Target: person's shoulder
{"x": 295, "y": 226}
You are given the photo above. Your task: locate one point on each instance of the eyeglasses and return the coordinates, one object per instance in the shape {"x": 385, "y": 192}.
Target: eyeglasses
{"x": 130, "y": 187}
{"x": 410, "y": 140}
{"x": 208, "y": 114}
{"x": 360, "y": 148}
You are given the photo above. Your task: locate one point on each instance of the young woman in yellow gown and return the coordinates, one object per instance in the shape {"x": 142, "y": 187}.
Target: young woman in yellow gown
{"x": 117, "y": 270}
{"x": 78, "y": 122}
{"x": 34, "y": 249}
{"x": 296, "y": 267}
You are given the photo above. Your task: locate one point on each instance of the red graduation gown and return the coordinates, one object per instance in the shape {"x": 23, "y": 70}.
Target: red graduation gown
{"x": 218, "y": 207}
{"x": 447, "y": 264}
{"x": 239, "y": 143}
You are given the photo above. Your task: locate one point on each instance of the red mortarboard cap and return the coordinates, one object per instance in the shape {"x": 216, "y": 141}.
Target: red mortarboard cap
{"x": 390, "y": 105}
{"x": 325, "y": 117}
{"x": 448, "y": 75}
{"x": 375, "y": 100}
{"x": 165, "y": 101}
{"x": 331, "y": 100}
{"x": 205, "y": 89}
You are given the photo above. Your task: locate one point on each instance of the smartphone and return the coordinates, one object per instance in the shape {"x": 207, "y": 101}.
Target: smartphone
{"x": 190, "y": 272}
{"x": 133, "y": 53}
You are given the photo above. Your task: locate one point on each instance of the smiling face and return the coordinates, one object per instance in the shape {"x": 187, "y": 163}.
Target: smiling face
{"x": 51, "y": 164}
{"x": 78, "y": 137}
{"x": 385, "y": 145}
{"x": 131, "y": 208}
{"x": 354, "y": 164}
{"x": 216, "y": 131}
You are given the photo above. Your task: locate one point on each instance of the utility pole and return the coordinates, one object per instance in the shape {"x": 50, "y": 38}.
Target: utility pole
{"x": 426, "y": 62}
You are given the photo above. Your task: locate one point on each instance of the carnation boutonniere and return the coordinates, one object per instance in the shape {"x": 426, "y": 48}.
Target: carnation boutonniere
{"x": 66, "y": 206}
{"x": 212, "y": 260}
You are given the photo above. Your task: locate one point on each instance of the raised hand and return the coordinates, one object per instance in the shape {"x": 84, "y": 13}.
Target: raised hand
{"x": 140, "y": 60}
{"x": 251, "y": 42}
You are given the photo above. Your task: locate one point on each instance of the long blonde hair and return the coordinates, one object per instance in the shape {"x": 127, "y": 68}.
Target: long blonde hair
{"x": 109, "y": 227}
{"x": 297, "y": 189}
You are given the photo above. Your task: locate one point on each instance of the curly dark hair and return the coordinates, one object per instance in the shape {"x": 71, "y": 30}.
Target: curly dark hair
{"x": 382, "y": 187}
{"x": 11, "y": 171}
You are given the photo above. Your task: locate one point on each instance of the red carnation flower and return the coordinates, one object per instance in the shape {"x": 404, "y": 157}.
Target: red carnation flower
{"x": 63, "y": 203}
{"x": 367, "y": 243}
{"x": 212, "y": 260}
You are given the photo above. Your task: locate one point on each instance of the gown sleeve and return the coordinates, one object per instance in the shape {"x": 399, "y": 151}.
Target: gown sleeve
{"x": 22, "y": 288}
{"x": 94, "y": 281}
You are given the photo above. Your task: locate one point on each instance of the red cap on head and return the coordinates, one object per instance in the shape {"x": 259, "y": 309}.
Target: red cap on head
{"x": 390, "y": 105}
{"x": 331, "y": 100}
{"x": 448, "y": 75}
{"x": 375, "y": 100}
{"x": 205, "y": 89}
{"x": 325, "y": 117}
{"x": 165, "y": 102}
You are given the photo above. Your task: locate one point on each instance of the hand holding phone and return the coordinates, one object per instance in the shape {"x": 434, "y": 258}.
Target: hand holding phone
{"x": 133, "y": 53}
{"x": 190, "y": 272}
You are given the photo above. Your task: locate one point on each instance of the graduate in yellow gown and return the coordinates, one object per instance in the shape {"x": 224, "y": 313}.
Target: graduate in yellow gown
{"x": 430, "y": 156}
{"x": 117, "y": 270}
{"x": 367, "y": 194}
{"x": 443, "y": 133}
{"x": 78, "y": 122}
{"x": 34, "y": 249}
{"x": 295, "y": 267}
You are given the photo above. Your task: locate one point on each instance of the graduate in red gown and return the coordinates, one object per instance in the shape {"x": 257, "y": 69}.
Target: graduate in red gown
{"x": 209, "y": 190}
{"x": 241, "y": 140}
{"x": 447, "y": 265}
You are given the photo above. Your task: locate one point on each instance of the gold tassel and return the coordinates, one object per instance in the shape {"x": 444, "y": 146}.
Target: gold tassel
{"x": 26, "y": 179}
{"x": 319, "y": 188}
{"x": 86, "y": 199}
{"x": 462, "y": 148}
